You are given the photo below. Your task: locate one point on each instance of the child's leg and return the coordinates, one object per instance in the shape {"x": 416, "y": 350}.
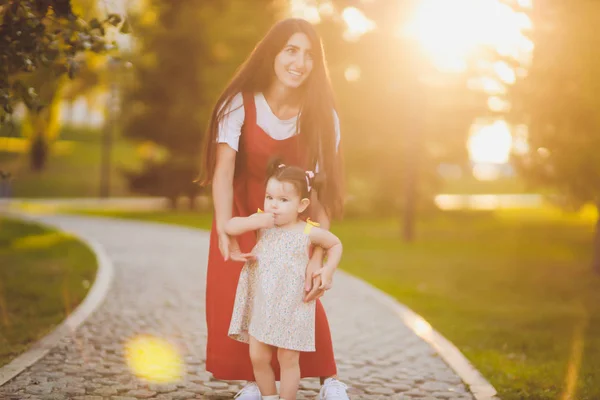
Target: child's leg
{"x": 289, "y": 361}
{"x": 261, "y": 355}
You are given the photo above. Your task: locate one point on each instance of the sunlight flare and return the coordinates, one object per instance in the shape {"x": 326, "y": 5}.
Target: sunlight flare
{"x": 450, "y": 32}
{"x": 302, "y": 9}
{"x": 352, "y": 73}
{"x": 497, "y": 104}
{"x": 357, "y": 24}
{"x": 491, "y": 143}
{"x": 153, "y": 359}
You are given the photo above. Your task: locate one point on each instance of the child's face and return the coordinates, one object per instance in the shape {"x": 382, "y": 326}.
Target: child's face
{"x": 283, "y": 200}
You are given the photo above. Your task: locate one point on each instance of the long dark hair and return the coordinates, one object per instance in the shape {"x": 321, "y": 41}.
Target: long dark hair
{"x": 316, "y": 121}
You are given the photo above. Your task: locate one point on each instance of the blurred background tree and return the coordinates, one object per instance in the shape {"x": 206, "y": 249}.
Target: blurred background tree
{"x": 403, "y": 115}
{"x": 187, "y": 52}
{"x": 558, "y": 101}
{"x": 42, "y": 43}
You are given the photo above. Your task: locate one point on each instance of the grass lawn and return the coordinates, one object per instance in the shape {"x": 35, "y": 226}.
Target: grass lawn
{"x": 44, "y": 275}
{"x": 513, "y": 290}
{"x": 73, "y": 173}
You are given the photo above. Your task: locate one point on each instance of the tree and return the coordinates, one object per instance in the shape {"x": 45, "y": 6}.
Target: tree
{"x": 401, "y": 116}
{"x": 559, "y": 101}
{"x": 41, "y": 42}
{"x": 38, "y": 34}
{"x": 186, "y": 55}
{"x": 40, "y": 124}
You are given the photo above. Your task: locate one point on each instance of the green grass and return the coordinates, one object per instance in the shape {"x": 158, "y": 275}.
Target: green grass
{"x": 44, "y": 275}
{"x": 513, "y": 290}
{"x": 73, "y": 174}
{"x": 510, "y": 291}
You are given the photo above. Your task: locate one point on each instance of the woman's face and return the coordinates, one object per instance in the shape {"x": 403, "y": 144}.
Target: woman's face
{"x": 294, "y": 62}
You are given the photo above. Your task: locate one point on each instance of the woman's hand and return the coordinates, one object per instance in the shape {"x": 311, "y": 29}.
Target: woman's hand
{"x": 230, "y": 249}
{"x": 313, "y": 281}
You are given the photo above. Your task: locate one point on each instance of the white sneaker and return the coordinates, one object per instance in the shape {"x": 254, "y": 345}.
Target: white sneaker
{"x": 333, "y": 390}
{"x": 249, "y": 392}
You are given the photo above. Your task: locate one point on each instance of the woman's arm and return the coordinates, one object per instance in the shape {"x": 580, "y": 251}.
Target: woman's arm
{"x": 332, "y": 244}
{"x": 228, "y": 136}
{"x": 222, "y": 193}
{"x": 222, "y": 185}
{"x": 312, "y": 283}
{"x": 318, "y": 214}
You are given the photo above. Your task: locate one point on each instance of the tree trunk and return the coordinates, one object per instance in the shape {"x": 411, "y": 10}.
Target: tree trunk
{"x": 108, "y": 135}
{"x": 5, "y": 182}
{"x": 173, "y": 202}
{"x": 412, "y": 148}
{"x": 596, "y": 257}
{"x": 192, "y": 202}
{"x": 410, "y": 200}
{"x": 38, "y": 153}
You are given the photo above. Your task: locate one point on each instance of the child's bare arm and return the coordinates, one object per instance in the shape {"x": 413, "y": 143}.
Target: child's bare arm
{"x": 239, "y": 225}
{"x": 330, "y": 243}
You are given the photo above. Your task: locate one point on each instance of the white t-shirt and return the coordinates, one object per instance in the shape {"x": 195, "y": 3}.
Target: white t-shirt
{"x": 230, "y": 127}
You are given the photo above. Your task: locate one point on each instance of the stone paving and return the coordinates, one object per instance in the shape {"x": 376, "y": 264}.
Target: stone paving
{"x": 158, "y": 289}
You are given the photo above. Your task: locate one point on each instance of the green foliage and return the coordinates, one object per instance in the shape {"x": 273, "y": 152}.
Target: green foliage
{"x": 186, "y": 56}
{"x": 37, "y": 35}
{"x": 559, "y": 101}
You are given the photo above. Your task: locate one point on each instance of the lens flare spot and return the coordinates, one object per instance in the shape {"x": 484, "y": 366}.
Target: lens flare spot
{"x": 153, "y": 359}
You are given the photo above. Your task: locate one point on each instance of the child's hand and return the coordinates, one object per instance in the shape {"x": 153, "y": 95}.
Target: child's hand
{"x": 230, "y": 249}
{"x": 264, "y": 220}
{"x": 326, "y": 274}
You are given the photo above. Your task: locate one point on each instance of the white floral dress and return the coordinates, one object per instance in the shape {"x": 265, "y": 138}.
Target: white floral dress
{"x": 269, "y": 302}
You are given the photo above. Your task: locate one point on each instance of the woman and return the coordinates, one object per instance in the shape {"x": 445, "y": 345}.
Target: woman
{"x": 279, "y": 103}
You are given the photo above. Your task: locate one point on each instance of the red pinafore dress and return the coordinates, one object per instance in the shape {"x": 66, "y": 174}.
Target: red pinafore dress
{"x": 227, "y": 358}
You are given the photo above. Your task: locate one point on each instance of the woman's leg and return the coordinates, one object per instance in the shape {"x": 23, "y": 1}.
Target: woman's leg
{"x": 289, "y": 362}
{"x": 261, "y": 355}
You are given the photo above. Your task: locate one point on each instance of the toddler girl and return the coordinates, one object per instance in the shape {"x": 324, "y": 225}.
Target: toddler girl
{"x": 269, "y": 311}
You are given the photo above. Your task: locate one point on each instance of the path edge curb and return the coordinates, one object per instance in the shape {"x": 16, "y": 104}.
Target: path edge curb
{"x": 479, "y": 387}
{"x": 94, "y": 298}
